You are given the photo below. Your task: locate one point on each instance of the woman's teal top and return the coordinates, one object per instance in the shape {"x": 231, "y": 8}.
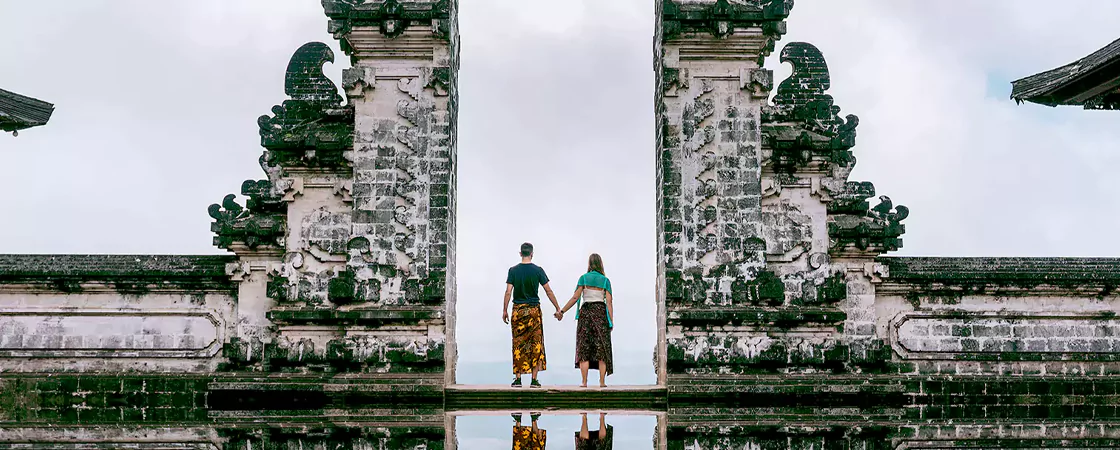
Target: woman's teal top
{"x": 596, "y": 280}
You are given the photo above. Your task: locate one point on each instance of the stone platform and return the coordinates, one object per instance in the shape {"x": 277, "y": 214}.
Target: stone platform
{"x": 613, "y": 398}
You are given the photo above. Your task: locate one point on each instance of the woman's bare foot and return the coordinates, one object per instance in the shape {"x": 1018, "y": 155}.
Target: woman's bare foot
{"x": 583, "y": 385}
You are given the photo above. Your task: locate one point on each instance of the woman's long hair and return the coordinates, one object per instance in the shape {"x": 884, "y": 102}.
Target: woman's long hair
{"x": 595, "y": 264}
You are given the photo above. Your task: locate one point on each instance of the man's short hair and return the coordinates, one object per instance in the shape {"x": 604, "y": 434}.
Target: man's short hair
{"x": 526, "y": 250}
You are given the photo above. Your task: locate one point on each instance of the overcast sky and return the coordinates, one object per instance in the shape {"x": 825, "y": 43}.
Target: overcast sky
{"x": 157, "y": 105}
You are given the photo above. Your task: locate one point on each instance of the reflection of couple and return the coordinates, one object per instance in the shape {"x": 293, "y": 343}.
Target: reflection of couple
{"x": 533, "y": 438}
{"x": 595, "y": 318}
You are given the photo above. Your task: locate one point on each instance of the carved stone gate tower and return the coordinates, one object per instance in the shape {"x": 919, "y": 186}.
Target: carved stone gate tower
{"x": 346, "y": 253}
{"x": 765, "y": 249}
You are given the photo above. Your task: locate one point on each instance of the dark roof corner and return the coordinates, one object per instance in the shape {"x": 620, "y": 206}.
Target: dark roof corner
{"x": 1092, "y": 82}
{"x": 18, "y": 112}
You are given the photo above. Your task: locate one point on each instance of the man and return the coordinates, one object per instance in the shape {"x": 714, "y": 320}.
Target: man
{"x": 528, "y": 437}
{"x": 528, "y": 328}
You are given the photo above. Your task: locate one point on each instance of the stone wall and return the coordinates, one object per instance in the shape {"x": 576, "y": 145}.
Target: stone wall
{"x": 1001, "y": 316}
{"x": 114, "y": 313}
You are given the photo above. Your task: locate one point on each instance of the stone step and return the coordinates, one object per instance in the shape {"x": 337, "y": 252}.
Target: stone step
{"x": 460, "y": 398}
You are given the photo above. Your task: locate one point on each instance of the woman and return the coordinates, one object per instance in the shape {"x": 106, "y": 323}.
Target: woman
{"x": 598, "y": 440}
{"x": 594, "y": 316}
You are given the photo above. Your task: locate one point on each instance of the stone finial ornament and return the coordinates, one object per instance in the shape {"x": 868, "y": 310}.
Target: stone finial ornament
{"x": 260, "y": 223}
{"x": 852, "y": 198}
{"x": 305, "y": 80}
{"x": 877, "y": 229}
{"x": 803, "y": 116}
{"x": 235, "y": 225}
{"x": 805, "y": 133}
{"x": 853, "y": 222}
{"x": 263, "y": 197}
{"x": 313, "y": 128}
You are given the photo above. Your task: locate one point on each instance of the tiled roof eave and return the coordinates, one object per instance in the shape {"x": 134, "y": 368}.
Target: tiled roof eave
{"x": 1045, "y": 87}
{"x": 1035, "y": 87}
{"x": 9, "y": 123}
{"x": 18, "y": 112}
{"x": 1003, "y": 270}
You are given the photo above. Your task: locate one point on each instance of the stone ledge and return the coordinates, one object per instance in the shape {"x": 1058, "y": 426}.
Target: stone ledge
{"x": 463, "y": 398}
{"x": 375, "y": 417}
{"x": 1027, "y": 272}
{"x": 303, "y": 395}
{"x": 792, "y": 316}
{"x": 130, "y": 272}
{"x": 784, "y": 391}
{"x": 355, "y": 317}
{"x": 704, "y": 416}
{"x": 390, "y": 17}
{"x": 328, "y": 383}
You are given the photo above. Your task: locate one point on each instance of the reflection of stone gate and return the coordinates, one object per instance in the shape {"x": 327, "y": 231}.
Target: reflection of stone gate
{"x": 341, "y": 291}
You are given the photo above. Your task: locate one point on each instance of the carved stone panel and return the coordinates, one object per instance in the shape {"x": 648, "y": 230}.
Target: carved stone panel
{"x": 109, "y": 334}
{"x": 1006, "y": 336}
{"x": 788, "y": 231}
{"x": 711, "y": 191}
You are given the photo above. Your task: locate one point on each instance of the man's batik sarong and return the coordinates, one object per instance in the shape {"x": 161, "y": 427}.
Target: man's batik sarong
{"x": 525, "y": 438}
{"x": 528, "y": 339}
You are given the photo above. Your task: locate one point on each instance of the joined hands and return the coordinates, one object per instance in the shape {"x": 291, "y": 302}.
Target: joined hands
{"x": 559, "y": 315}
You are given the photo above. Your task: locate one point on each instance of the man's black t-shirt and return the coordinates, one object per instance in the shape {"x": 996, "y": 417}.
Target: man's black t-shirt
{"x": 525, "y": 278}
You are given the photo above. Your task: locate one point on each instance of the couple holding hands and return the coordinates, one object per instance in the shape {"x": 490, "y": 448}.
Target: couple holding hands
{"x": 594, "y": 316}
{"x": 532, "y": 437}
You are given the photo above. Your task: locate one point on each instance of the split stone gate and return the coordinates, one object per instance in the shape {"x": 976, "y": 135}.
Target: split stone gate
{"x": 772, "y": 284}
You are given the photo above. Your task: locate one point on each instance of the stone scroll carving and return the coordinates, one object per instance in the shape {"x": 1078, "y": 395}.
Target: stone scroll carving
{"x": 313, "y": 128}
{"x": 803, "y": 122}
{"x": 804, "y": 132}
{"x": 259, "y": 224}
